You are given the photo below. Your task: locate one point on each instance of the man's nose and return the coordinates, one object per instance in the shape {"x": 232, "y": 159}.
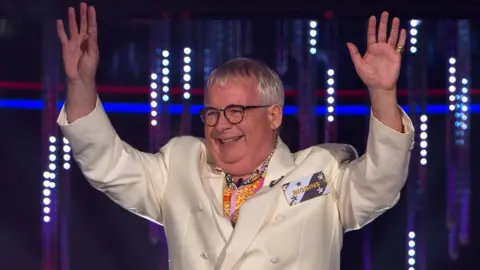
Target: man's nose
{"x": 223, "y": 123}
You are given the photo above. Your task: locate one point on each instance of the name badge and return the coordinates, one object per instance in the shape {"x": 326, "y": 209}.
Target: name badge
{"x": 306, "y": 188}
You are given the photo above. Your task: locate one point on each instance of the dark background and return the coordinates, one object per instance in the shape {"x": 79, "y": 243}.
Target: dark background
{"x": 104, "y": 236}
{"x": 148, "y": 9}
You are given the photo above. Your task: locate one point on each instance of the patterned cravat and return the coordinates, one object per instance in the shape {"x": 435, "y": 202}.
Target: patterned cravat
{"x": 235, "y": 194}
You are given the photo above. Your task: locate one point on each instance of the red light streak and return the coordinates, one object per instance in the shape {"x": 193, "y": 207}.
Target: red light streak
{"x": 118, "y": 89}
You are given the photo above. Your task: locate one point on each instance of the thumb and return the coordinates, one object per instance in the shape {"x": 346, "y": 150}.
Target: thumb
{"x": 354, "y": 54}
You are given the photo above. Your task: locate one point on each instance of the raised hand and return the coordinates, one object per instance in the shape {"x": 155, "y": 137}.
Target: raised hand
{"x": 80, "y": 51}
{"x": 379, "y": 68}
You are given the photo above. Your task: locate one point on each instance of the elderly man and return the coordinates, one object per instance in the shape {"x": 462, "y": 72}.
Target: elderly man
{"x": 239, "y": 199}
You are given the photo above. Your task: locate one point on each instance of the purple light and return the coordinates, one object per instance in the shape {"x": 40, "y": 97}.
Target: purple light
{"x": 411, "y": 247}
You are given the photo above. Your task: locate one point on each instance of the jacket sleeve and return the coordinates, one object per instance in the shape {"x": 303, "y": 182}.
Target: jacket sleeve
{"x": 368, "y": 186}
{"x": 133, "y": 179}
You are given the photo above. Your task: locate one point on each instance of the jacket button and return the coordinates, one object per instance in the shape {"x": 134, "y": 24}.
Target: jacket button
{"x": 200, "y": 207}
{"x": 204, "y": 255}
{"x": 279, "y": 217}
{"x": 274, "y": 259}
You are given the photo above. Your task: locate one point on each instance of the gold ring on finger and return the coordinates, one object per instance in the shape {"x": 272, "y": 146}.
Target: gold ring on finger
{"x": 399, "y": 49}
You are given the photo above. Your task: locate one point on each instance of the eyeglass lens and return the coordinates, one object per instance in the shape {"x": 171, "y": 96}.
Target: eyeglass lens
{"x": 233, "y": 115}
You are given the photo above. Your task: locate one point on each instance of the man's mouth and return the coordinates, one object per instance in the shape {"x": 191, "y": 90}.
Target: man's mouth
{"x": 229, "y": 140}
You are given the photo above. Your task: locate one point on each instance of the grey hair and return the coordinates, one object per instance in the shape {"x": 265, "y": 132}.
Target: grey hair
{"x": 269, "y": 85}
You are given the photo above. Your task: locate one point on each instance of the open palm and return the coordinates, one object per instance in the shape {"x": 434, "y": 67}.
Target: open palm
{"x": 80, "y": 51}
{"x": 379, "y": 68}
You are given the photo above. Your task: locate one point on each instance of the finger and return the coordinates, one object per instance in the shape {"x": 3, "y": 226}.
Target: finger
{"x": 92, "y": 27}
{"x": 372, "y": 31}
{"x": 61, "y": 32}
{"x": 83, "y": 19}
{"x": 354, "y": 53}
{"x": 402, "y": 39}
{"x": 72, "y": 22}
{"x": 382, "y": 28}
{"x": 393, "y": 38}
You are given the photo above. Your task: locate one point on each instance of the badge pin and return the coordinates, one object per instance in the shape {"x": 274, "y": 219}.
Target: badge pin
{"x": 274, "y": 182}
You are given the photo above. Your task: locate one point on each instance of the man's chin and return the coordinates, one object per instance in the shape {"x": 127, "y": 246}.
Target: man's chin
{"x": 229, "y": 159}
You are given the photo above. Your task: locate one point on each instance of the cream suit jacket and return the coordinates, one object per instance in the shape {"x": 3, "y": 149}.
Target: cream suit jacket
{"x": 179, "y": 188}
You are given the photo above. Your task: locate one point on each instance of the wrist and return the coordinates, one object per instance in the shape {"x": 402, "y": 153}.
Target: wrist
{"x": 382, "y": 97}
{"x": 81, "y": 98}
{"x": 79, "y": 85}
{"x": 385, "y": 108}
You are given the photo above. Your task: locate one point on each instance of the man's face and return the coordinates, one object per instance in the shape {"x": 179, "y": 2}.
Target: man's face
{"x": 239, "y": 148}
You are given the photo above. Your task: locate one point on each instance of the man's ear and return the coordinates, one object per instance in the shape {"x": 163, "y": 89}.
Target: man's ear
{"x": 275, "y": 115}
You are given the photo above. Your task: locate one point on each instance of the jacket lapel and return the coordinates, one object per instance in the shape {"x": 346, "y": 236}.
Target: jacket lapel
{"x": 259, "y": 208}
{"x": 213, "y": 184}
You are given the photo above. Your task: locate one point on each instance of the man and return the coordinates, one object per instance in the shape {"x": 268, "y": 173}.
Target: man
{"x": 240, "y": 199}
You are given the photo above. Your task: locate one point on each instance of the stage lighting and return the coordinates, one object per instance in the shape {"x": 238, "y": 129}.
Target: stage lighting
{"x": 423, "y": 139}
{"x": 330, "y": 96}
{"x": 461, "y": 112}
{"x": 66, "y": 154}
{"x": 165, "y": 75}
{"x": 411, "y": 250}
{"x": 153, "y": 99}
{"x": 452, "y": 79}
{"x": 156, "y": 82}
{"x": 187, "y": 69}
{"x": 154, "y": 91}
{"x": 414, "y": 35}
{"x": 312, "y": 32}
{"x": 49, "y": 177}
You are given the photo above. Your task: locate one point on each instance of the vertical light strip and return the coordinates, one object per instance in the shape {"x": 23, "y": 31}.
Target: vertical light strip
{"x": 52, "y": 254}
{"x": 452, "y": 79}
{"x": 208, "y": 51}
{"x": 157, "y": 82}
{"x": 49, "y": 178}
{"x": 423, "y": 118}
{"x": 305, "y": 63}
{"x": 452, "y": 68}
{"x": 159, "y": 126}
{"x": 423, "y": 139}
{"x": 154, "y": 94}
{"x": 330, "y": 96}
{"x": 416, "y": 92}
{"x": 330, "y": 37}
{"x": 411, "y": 250}
{"x": 165, "y": 75}
{"x": 312, "y": 31}
{"x": 461, "y": 112}
{"x": 413, "y": 36}
{"x": 186, "y": 71}
{"x": 462, "y": 130}
{"x": 66, "y": 154}
{"x": 64, "y": 208}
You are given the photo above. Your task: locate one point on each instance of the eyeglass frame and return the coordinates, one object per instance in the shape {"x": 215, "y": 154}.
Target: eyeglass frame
{"x": 224, "y": 110}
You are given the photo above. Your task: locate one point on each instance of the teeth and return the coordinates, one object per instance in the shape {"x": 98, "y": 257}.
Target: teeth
{"x": 234, "y": 139}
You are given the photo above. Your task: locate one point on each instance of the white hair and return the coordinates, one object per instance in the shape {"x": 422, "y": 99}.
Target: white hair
{"x": 269, "y": 85}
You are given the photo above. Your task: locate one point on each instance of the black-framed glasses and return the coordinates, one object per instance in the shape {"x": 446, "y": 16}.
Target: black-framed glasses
{"x": 233, "y": 113}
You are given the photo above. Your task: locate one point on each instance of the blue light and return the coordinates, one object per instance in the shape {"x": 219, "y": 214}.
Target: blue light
{"x": 144, "y": 108}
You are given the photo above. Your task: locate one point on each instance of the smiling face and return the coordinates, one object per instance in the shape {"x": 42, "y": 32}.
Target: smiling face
{"x": 240, "y": 148}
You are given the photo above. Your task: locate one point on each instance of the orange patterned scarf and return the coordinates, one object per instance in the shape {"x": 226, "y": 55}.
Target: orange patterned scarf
{"x": 235, "y": 194}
